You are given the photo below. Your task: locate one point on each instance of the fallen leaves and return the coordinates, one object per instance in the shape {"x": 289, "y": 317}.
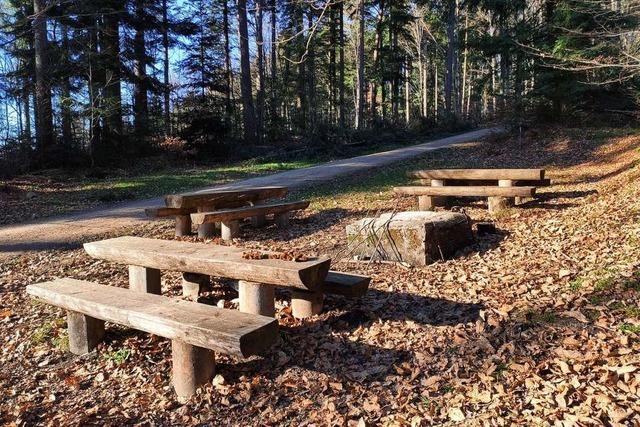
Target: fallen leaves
{"x": 524, "y": 327}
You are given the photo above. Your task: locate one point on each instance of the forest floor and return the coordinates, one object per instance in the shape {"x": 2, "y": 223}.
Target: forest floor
{"x": 537, "y": 324}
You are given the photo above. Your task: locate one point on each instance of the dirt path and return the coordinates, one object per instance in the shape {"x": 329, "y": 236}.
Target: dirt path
{"x": 72, "y": 229}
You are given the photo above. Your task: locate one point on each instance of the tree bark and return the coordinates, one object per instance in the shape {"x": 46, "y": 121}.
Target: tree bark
{"x": 248, "y": 110}
{"x": 227, "y": 63}
{"x": 360, "y": 83}
{"x": 167, "y": 85}
{"x": 341, "y": 59}
{"x": 261, "y": 74}
{"x": 113, "y": 74}
{"x": 449, "y": 80}
{"x": 67, "y": 136}
{"x": 44, "y": 113}
{"x": 141, "y": 102}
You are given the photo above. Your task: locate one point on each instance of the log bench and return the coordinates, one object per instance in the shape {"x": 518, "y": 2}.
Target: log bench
{"x": 498, "y": 197}
{"x": 230, "y": 218}
{"x": 181, "y": 206}
{"x": 196, "y": 330}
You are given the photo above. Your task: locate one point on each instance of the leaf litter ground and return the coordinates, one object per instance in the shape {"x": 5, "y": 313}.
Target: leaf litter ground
{"x": 536, "y": 324}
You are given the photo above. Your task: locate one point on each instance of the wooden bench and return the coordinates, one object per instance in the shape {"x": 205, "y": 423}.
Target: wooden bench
{"x": 497, "y": 196}
{"x": 195, "y": 330}
{"x": 181, "y": 206}
{"x": 229, "y": 218}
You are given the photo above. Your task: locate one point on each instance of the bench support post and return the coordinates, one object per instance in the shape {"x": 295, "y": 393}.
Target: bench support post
{"x": 257, "y": 298}
{"x": 306, "y": 304}
{"x": 496, "y": 203}
{"x": 143, "y": 279}
{"x": 85, "y": 332}
{"x": 183, "y": 225}
{"x": 282, "y": 219}
{"x": 230, "y": 229}
{"x": 192, "y": 367}
{"x": 206, "y": 231}
{"x": 193, "y": 284}
{"x": 438, "y": 200}
{"x": 258, "y": 220}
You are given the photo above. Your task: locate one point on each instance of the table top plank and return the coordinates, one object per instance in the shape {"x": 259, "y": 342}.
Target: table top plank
{"x": 214, "y": 260}
{"x": 223, "y": 198}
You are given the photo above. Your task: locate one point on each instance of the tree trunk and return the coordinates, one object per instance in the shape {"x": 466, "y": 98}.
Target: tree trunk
{"x": 141, "y": 103}
{"x": 360, "y": 84}
{"x": 311, "y": 79}
{"x": 376, "y": 61}
{"x": 449, "y": 79}
{"x": 167, "y": 85}
{"x": 341, "y": 59}
{"x": 274, "y": 61}
{"x": 407, "y": 91}
{"x": 44, "y": 114}
{"x": 260, "y": 60}
{"x": 67, "y": 136}
{"x": 248, "y": 111}
{"x": 227, "y": 63}
{"x": 464, "y": 65}
{"x": 113, "y": 75}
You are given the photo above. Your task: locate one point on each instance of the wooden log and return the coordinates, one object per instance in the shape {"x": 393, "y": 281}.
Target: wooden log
{"x": 193, "y": 284}
{"x": 256, "y": 298}
{"x": 346, "y": 284}
{"x": 464, "y": 191}
{"x": 306, "y": 304}
{"x": 144, "y": 279}
{"x": 247, "y": 212}
{"x": 213, "y": 260}
{"x": 282, "y": 219}
{"x": 505, "y": 202}
{"x": 425, "y": 203}
{"x": 229, "y": 229}
{"x": 486, "y": 182}
{"x": 205, "y": 231}
{"x": 479, "y": 174}
{"x": 183, "y": 225}
{"x": 222, "y": 198}
{"x": 438, "y": 201}
{"x": 192, "y": 366}
{"x": 225, "y": 331}
{"x": 85, "y": 332}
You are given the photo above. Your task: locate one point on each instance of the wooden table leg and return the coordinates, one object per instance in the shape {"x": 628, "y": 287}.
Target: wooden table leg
{"x": 282, "y": 219}
{"x": 85, "y": 332}
{"x": 143, "y": 279}
{"x": 206, "y": 231}
{"x": 497, "y": 203}
{"x": 192, "y": 367}
{"x": 230, "y": 229}
{"x": 306, "y": 304}
{"x": 257, "y": 298}
{"x": 183, "y": 225}
{"x": 193, "y": 284}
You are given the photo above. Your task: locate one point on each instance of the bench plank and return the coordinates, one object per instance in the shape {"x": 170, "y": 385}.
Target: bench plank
{"x": 346, "y": 284}
{"x": 214, "y": 260}
{"x": 225, "y": 331}
{"x": 480, "y": 174}
{"x": 467, "y": 191}
{"x": 223, "y": 197}
{"x": 488, "y": 182}
{"x": 240, "y": 213}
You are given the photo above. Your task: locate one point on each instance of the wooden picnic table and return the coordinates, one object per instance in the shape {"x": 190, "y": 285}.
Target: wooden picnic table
{"x": 181, "y": 206}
